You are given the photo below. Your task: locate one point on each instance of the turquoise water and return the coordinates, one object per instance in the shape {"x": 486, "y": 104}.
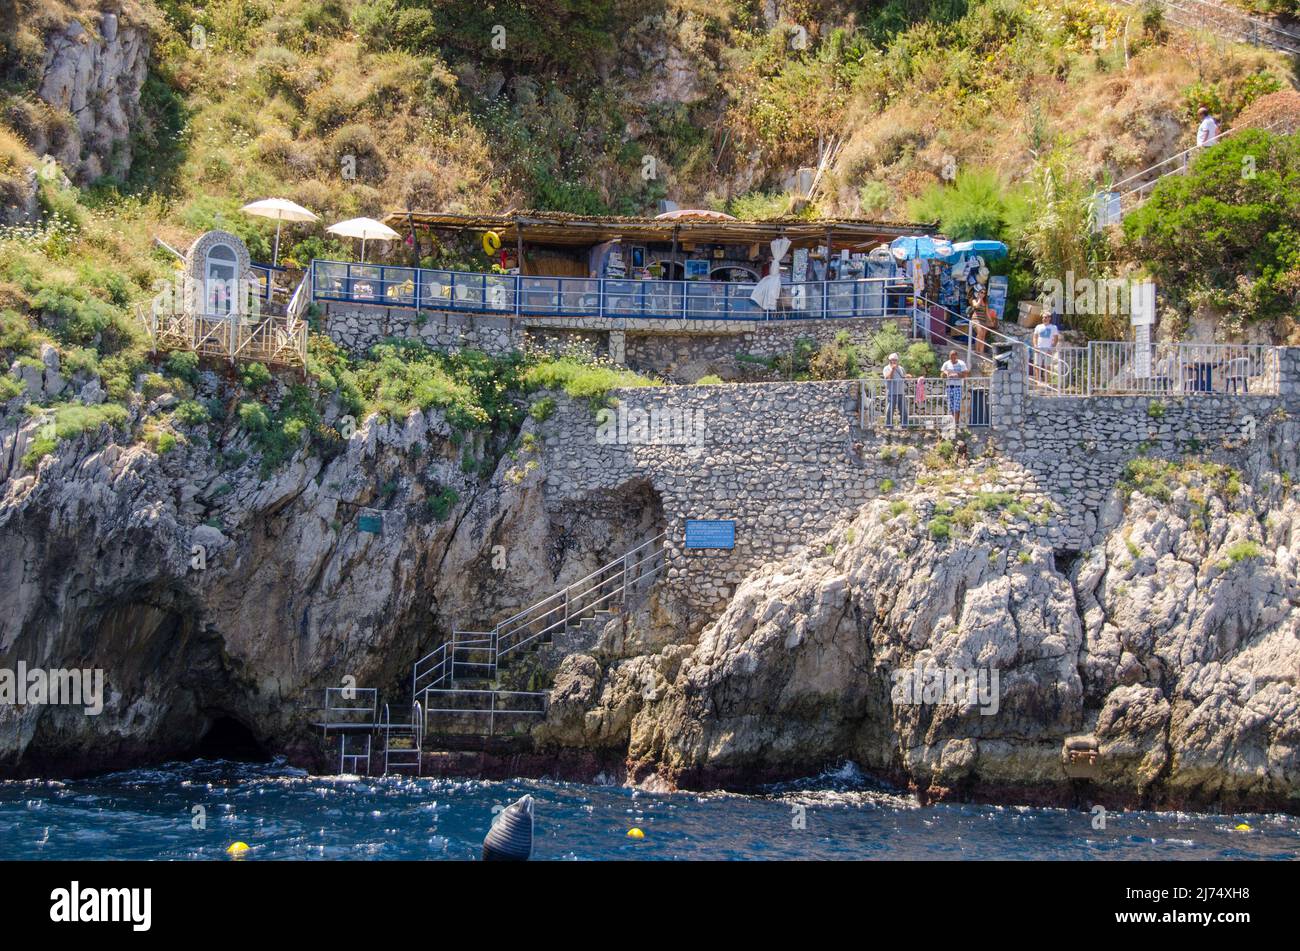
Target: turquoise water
{"x": 283, "y": 813}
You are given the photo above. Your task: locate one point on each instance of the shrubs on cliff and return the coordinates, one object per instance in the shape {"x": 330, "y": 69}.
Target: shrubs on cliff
{"x": 68, "y": 421}
{"x": 1227, "y": 233}
{"x": 580, "y": 377}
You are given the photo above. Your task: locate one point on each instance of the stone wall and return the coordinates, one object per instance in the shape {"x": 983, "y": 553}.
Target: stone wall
{"x": 680, "y": 351}
{"x": 685, "y": 357}
{"x": 787, "y": 461}
{"x": 358, "y": 327}
{"x": 784, "y": 460}
{"x": 1074, "y": 449}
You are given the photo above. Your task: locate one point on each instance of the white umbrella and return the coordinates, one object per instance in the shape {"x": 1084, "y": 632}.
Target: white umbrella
{"x": 367, "y": 229}
{"x": 694, "y": 213}
{"x": 767, "y": 292}
{"x": 280, "y": 210}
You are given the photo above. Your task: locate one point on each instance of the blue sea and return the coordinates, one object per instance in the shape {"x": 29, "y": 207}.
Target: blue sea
{"x": 195, "y": 810}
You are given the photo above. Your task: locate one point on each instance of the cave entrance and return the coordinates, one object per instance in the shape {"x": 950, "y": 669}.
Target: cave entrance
{"x": 227, "y": 738}
{"x": 1063, "y": 560}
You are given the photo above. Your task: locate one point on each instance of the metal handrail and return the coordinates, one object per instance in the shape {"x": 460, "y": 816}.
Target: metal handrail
{"x": 1285, "y": 40}
{"x": 439, "y": 665}
{"x": 1127, "y": 368}
{"x": 592, "y": 606}
{"x": 570, "y": 593}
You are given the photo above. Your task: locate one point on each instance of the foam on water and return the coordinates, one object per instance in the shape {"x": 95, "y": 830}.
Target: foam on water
{"x": 284, "y": 813}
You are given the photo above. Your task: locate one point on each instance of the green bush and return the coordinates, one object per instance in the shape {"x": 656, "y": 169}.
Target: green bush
{"x": 1228, "y": 231}
{"x": 978, "y": 204}
{"x": 70, "y": 421}
{"x": 1243, "y": 551}
{"x": 940, "y": 528}
{"x": 254, "y": 376}
{"x": 191, "y": 413}
{"x": 441, "y": 503}
{"x": 542, "y": 410}
{"x": 253, "y": 416}
{"x": 184, "y": 365}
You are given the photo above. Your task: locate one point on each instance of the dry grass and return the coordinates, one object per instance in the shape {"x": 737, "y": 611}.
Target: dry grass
{"x": 1113, "y": 120}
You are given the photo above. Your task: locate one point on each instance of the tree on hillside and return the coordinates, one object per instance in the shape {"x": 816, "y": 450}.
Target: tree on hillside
{"x": 1227, "y": 233}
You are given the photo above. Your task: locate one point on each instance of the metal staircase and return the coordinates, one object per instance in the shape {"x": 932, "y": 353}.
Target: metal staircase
{"x": 457, "y": 680}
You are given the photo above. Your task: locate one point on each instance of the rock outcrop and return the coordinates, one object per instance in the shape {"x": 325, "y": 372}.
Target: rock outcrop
{"x": 97, "y": 78}
{"x": 207, "y": 589}
{"x": 1174, "y": 645}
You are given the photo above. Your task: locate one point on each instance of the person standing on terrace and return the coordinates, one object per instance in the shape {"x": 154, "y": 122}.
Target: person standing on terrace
{"x": 983, "y": 318}
{"x": 953, "y": 373}
{"x": 895, "y": 391}
{"x": 1046, "y": 336}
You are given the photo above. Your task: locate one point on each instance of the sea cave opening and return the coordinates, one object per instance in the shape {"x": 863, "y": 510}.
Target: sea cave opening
{"x": 227, "y": 738}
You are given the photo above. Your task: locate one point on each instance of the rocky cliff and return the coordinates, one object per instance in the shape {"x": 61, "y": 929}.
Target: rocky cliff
{"x": 1170, "y": 650}
{"x": 209, "y": 589}
{"x": 97, "y": 79}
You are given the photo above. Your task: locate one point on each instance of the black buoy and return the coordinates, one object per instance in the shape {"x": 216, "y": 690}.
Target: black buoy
{"x": 511, "y": 837}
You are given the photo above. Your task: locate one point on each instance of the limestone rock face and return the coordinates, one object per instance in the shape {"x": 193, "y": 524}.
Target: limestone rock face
{"x": 205, "y": 588}
{"x": 97, "y": 79}
{"x": 1175, "y": 644}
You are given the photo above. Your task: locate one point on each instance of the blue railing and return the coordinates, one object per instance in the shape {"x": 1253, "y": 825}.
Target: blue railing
{"x": 535, "y": 296}
{"x": 265, "y": 275}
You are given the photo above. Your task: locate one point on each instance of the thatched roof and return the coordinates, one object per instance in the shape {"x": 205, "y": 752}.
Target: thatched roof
{"x": 561, "y": 228}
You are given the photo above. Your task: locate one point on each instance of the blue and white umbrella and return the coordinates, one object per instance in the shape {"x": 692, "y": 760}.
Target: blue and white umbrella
{"x": 984, "y": 247}
{"x": 923, "y": 247}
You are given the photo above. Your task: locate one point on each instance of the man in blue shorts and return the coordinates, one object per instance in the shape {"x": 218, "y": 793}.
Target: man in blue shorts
{"x": 953, "y": 373}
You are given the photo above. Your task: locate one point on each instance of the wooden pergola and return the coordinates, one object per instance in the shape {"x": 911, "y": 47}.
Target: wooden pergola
{"x": 559, "y": 229}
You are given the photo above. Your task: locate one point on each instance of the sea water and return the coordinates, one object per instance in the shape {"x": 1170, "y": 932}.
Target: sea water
{"x": 195, "y": 810}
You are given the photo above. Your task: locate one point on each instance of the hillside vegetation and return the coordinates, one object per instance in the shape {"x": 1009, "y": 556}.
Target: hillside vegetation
{"x": 995, "y": 117}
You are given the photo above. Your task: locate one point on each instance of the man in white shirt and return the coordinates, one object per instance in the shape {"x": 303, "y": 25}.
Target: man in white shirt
{"x": 1046, "y": 336}
{"x": 953, "y": 372}
{"x": 1208, "y": 131}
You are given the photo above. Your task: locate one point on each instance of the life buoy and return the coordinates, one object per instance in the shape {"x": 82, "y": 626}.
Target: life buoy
{"x": 491, "y": 243}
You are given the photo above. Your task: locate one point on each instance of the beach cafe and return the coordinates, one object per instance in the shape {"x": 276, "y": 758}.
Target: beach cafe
{"x": 688, "y": 264}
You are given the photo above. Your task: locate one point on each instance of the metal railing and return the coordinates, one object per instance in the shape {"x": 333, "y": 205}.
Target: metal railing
{"x": 271, "y": 339}
{"x": 1228, "y": 23}
{"x": 1136, "y": 188}
{"x": 539, "y": 296}
{"x": 477, "y": 704}
{"x": 1121, "y": 368}
{"x": 604, "y": 587}
{"x": 412, "y": 732}
{"x": 348, "y": 708}
{"x": 477, "y": 654}
{"x": 923, "y": 403}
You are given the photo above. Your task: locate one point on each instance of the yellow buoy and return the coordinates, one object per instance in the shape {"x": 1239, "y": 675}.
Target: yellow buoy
{"x": 635, "y": 834}
{"x": 237, "y": 848}
{"x": 491, "y": 242}
{"x": 1242, "y": 827}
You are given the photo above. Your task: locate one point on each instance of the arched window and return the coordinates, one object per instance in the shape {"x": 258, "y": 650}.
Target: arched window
{"x": 220, "y": 276}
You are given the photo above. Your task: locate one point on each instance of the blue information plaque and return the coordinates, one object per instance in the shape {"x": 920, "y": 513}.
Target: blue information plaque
{"x": 710, "y": 533}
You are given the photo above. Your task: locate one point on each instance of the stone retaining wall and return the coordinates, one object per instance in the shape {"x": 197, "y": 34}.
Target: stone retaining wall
{"x": 787, "y": 462}
{"x": 358, "y": 327}
{"x": 680, "y": 351}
